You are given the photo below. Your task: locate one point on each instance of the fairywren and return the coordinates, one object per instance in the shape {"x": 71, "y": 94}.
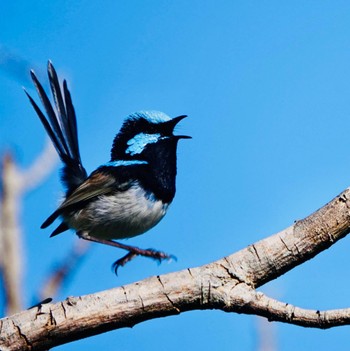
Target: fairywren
{"x": 124, "y": 197}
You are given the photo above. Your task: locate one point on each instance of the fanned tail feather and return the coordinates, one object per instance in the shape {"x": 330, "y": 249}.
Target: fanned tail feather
{"x": 61, "y": 127}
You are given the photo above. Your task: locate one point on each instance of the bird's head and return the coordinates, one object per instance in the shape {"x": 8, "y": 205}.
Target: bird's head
{"x": 146, "y": 135}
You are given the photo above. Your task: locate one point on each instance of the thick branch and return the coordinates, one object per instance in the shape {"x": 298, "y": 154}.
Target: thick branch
{"x": 227, "y": 284}
{"x": 273, "y": 256}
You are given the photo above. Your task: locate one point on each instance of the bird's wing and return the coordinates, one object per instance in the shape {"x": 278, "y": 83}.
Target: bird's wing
{"x": 97, "y": 184}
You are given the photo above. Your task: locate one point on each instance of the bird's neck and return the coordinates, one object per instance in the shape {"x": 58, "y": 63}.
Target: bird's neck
{"x": 161, "y": 179}
{"x": 156, "y": 177}
{"x": 160, "y": 174}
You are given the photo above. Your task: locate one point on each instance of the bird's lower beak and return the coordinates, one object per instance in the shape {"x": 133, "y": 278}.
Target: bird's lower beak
{"x": 183, "y": 137}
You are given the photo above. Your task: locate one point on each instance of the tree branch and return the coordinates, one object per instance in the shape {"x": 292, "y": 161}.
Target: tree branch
{"x": 64, "y": 270}
{"x": 40, "y": 169}
{"x": 10, "y": 235}
{"x": 227, "y": 284}
{"x": 14, "y": 183}
{"x": 259, "y": 304}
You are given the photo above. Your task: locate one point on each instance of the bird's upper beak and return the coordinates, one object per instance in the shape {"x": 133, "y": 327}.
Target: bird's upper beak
{"x": 174, "y": 122}
{"x": 177, "y": 119}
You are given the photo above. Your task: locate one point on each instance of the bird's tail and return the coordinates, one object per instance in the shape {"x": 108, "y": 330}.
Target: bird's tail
{"x": 61, "y": 126}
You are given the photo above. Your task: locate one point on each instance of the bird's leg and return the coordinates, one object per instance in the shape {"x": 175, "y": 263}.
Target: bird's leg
{"x": 133, "y": 250}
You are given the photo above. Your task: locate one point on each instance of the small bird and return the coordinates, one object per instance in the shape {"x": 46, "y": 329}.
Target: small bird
{"x": 124, "y": 197}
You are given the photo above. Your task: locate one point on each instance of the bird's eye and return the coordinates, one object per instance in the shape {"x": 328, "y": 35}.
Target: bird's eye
{"x": 138, "y": 143}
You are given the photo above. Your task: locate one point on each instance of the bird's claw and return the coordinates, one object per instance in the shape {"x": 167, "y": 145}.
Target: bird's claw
{"x": 123, "y": 261}
{"x": 157, "y": 255}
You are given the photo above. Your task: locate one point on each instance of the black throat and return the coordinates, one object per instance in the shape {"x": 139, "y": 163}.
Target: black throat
{"x": 160, "y": 178}
{"x": 158, "y": 175}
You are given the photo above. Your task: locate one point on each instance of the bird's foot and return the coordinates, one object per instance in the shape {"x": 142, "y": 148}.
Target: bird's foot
{"x": 135, "y": 251}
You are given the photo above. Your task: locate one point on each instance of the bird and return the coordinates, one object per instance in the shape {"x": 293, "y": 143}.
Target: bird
{"x": 126, "y": 196}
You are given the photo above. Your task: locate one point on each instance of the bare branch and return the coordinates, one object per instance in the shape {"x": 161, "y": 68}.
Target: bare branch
{"x": 273, "y": 256}
{"x": 64, "y": 270}
{"x": 259, "y": 304}
{"x": 13, "y": 183}
{"x": 40, "y": 168}
{"x": 10, "y": 238}
{"x": 227, "y": 284}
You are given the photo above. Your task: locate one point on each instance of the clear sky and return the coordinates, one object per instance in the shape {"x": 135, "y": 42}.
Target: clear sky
{"x": 266, "y": 85}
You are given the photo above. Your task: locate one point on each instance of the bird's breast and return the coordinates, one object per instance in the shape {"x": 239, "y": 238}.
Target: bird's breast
{"x": 118, "y": 215}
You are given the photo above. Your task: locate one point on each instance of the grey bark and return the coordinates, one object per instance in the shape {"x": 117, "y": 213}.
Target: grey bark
{"x": 228, "y": 284}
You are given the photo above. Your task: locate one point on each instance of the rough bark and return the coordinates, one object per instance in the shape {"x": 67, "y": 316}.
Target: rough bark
{"x": 228, "y": 284}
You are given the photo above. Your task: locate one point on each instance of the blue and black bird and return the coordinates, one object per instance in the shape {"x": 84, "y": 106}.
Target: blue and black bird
{"x": 128, "y": 195}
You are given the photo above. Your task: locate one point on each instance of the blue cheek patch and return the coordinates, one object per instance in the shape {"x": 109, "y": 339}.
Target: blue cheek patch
{"x": 137, "y": 144}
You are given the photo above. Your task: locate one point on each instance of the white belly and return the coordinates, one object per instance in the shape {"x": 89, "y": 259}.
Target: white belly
{"x": 119, "y": 215}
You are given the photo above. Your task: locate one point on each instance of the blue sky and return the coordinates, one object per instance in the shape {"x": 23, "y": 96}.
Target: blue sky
{"x": 266, "y": 85}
